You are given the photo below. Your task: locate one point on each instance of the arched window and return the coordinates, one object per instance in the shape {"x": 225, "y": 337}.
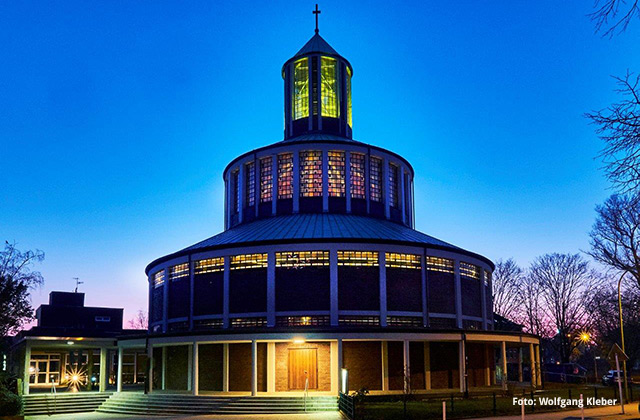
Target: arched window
{"x": 300, "y": 100}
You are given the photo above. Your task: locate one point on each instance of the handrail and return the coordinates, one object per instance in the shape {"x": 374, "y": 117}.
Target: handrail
{"x": 55, "y": 401}
{"x": 306, "y": 392}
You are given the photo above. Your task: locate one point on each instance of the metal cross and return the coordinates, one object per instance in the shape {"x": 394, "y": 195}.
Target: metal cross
{"x": 317, "y": 12}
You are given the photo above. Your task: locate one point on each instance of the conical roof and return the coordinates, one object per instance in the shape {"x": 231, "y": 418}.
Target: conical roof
{"x": 316, "y": 44}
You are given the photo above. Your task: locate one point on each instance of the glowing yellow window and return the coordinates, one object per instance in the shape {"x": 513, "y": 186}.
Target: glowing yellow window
{"x": 329, "y": 76}
{"x": 300, "y": 102}
{"x": 349, "y": 117}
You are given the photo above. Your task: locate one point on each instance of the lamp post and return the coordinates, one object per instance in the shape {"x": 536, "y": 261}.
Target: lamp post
{"x": 624, "y": 362}
{"x": 585, "y": 337}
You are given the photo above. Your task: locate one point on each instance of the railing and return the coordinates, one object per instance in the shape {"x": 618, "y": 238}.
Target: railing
{"x": 347, "y": 405}
{"x": 54, "y": 392}
{"x": 306, "y": 392}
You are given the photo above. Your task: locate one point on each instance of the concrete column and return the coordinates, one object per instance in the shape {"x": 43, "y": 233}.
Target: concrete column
{"x": 425, "y": 292}
{"x": 407, "y": 366}
{"x": 271, "y": 289}
{"x": 347, "y": 179}
{"x": 151, "y": 362}
{"x": 382, "y": 261}
{"x": 401, "y": 189}
{"x": 274, "y": 188}
{"x": 225, "y": 291}
{"x": 538, "y": 366}
{"x": 27, "y": 363}
{"x": 458, "y": 291}
{"x": 335, "y": 369}
{"x": 191, "y": 293}
{"x": 271, "y": 367}
{"x": 483, "y": 296}
{"x": 165, "y": 301}
{"x": 103, "y": 369}
{"x": 164, "y": 367}
{"x": 195, "y": 374}
{"x": 385, "y": 188}
{"x": 333, "y": 286}
{"x": 532, "y": 366}
{"x": 119, "y": 377}
{"x": 325, "y": 181}
{"x": 241, "y": 191}
{"x": 487, "y": 360}
{"x": 254, "y": 368}
{"x": 504, "y": 365}
{"x": 427, "y": 365}
{"x": 225, "y": 367}
{"x": 385, "y": 365}
{"x": 367, "y": 180}
{"x": 520, "y": 364}
{"x": 340, "y": 364}
{"x": 296, "y": 178}
{"x": 462, "y": 365}
{"x": 190, "y": 367}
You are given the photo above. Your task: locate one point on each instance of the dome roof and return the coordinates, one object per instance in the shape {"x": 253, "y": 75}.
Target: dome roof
{"x": 309, "y": 228}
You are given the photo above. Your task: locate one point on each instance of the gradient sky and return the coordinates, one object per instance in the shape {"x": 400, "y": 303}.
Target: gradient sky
{"x": 117, "y": 118}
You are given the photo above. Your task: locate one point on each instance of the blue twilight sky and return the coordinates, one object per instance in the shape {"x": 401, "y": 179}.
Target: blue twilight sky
{"x": 117, "y": 118}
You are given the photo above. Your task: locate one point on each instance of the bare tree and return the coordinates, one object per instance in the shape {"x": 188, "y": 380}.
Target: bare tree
{"x": 613, "y": 16}
{"x": 615, "y": 236}
{"x": 16, "y": 280}
{"x": 140, "y": 321}
{"x": 567, "y": 286}
{"x": 507, "y": 288}
{"x": 532, "y": 314}
{"x": 619, "y": 127}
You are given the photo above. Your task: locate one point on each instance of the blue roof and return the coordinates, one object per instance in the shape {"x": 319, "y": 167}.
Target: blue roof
{"x": 318, "y": 228}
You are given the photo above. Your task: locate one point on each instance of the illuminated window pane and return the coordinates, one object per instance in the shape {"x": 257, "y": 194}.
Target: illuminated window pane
{"x": 300, "y": 100}
{"x": 358, "y": 258}
{"x": 375, "y": 175}
{"x": 349, "y": 118}
{"x": 250, "y": 183}
{"x": 158, "y": 279}
{"x": 443, "y": 265}
{"x": 240, "y": 262}
{"x": 329, "y": 75}
{"x": 296, "y": 259}
{"x": 178, "y": 271}
{"x": 394, "y": 260}
{"x": 336, "y": 174}
{"x": 210, "y": 265}
{"x": 393, "y": 185}
{"x": 487, "y": 278}
{"x": 311, "y": 173}
{"x": 266, "y": 179}
{"x": 356, "y": 164}
{"x": 285, "y": 176}
{"x": 469, "y": 270}
{"x": 235, "y": 187}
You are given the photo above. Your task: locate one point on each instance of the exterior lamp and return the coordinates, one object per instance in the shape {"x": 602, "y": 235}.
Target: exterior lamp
{"x": 298, "y": 341}
{"x": 585, "y": 337}
{"x": 345, "y": 380}
{"x": 71, "y": 343}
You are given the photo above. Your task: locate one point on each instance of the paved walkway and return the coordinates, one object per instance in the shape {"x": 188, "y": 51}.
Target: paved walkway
{"x": 328, "y": 415}
{"x": 602, "y": 413}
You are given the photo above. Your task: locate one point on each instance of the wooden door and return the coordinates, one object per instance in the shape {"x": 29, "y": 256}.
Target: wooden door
{"x": 303, "y": 364}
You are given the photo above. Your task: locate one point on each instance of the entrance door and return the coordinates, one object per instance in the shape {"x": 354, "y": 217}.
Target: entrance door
{"x": 303, "y": 365}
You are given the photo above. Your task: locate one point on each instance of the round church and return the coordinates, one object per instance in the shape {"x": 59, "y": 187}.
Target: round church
{"x": 319, "y": 281}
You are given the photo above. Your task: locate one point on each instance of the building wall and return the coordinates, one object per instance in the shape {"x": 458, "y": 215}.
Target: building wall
{"x": 363, "y": 359}
{"x": 324, "y": 364}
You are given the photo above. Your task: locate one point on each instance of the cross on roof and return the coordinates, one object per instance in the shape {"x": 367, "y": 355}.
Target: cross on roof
{"x": 317, "y": 12}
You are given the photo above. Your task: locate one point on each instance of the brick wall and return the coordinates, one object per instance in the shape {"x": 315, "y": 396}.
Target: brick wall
{"x": 363, "y": 359}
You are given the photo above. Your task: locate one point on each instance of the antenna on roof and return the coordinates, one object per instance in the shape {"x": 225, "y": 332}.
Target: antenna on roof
{"x": 78, "y": 283}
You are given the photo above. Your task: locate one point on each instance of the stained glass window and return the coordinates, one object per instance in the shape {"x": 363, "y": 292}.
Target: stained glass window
{"x": 266, "y": 179}
{"x": 336, "y": 174}
{"x": 300, "y": 100}
{"x": 349, "y": 117}
{"x": 210, "y": 265}
{"x": 285, "y": 175}
{"x": 356, "y": 164}
{"x": 443, "y": 265}
{"x": 393, "y": 185}
{"x": 158, "y": 279}
{"x": 240, "y": 262}
{"x": 469, "y": 270}
{"x": 250, "y": 183}
{"x": 311, "y": 173}
{"x": 296, "y": 259}
{"x": 395, "y": 260}
{"x": 178, "y": 271}
{"x": 329, "y": 75}
{"x": 375, "y": 175}
{"x": 358, "y": 258}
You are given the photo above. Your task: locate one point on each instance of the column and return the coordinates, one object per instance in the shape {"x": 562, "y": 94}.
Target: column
{"x": 119, "y": 378}
{"x": 488, "y": 351}
{"x": 385, "y": 188}
{"x": 462, "y": 365}
{"x": 483, "y": 296}
{"x": 401, "y": 197}
{"x": 325, "y": 180}
{"x": 191, "y": 294}
{"x": 225, "y": 291}
{"x": 333, "y": 286}
{"x": 347, "y": 179}
{"x": 254, "y": 368}
{"x": 427, "y": 365}
{"x": 385, "y": 365}
{"x": 382, "y": 261}
{"x": 190, "y": 367}
{"x": 271, "y": 289}
{"x": 195, "y": 363}
{"x": 165, "y": 301}
{"x": 296, "y": 177}
{"x": 164, "y": 368}
{"x": 367, "y": 180}
{"x": 103, "y": 370}
{"x": 274, "y": 187}
{"x": 520, "y": 364}
{"x": 241, "y": 191}
{"x": 27, "y": 363}
{"x": 151, "y": 363}
{"x": 407, "y": 367}
{"x": 340, "y": 365}
{"x": 538, "y": 366}
{"x": 504, "y": 365}
{"x": 425, "y": 293}
{"x": 271, "y": 367}
{"x": 225, "y": 367}
{"x": 458, "y": 291}
{"x": 532, "y": 366}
